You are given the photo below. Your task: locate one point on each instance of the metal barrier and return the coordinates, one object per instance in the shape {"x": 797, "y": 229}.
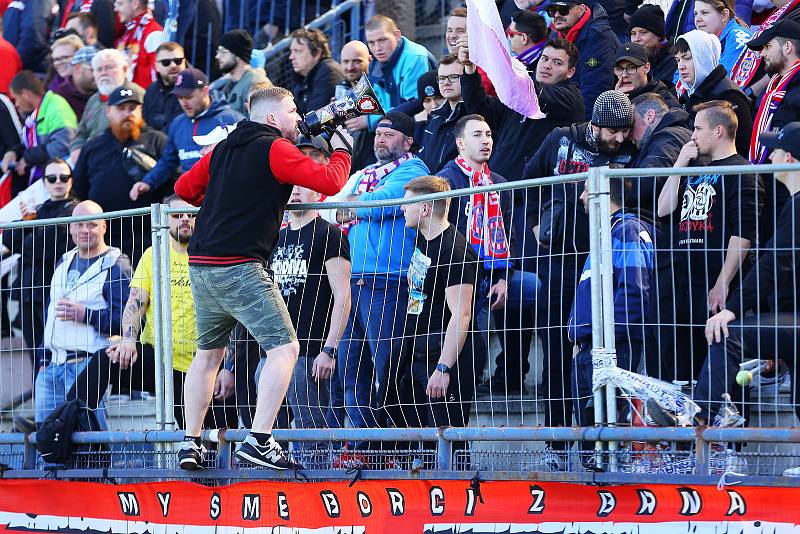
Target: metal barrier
{"x": 503, "y": 433}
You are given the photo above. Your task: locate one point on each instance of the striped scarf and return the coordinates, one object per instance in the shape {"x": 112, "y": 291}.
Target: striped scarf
{"x": 773, "y": 96}
{"x": 487, "y": 232}
{"x": 749, "y": 60}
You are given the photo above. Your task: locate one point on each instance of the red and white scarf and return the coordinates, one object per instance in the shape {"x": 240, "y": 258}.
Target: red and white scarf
{"x": 773, "y": 96}
{"x": 134, "y": 32}
{"x": 487, "y": 232}
{"x": 749, "y": 60}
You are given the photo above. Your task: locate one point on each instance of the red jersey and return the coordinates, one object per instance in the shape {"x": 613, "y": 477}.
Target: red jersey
{"x": 10, "y": 64}
{"x": 142, "y": 37}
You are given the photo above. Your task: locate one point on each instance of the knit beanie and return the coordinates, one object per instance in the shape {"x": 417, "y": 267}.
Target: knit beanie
{"x": 239, "y": 43}
{"x": 651, "y": 18}
{"x": 428, "y": 85}
{"x": 612, "y": 109}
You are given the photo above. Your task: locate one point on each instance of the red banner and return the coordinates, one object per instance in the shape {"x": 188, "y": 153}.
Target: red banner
{"x": 396, "y": 507}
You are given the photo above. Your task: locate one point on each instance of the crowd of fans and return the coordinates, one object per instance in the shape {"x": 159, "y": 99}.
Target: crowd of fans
{"x": 392, "y": 305}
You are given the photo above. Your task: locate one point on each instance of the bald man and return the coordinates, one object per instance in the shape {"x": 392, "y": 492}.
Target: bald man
{"x": 87, "y": 293}
{"x": 355, "y": 60}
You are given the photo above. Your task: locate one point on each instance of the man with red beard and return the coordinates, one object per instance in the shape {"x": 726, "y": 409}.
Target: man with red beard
{"x": 112, "y": 162}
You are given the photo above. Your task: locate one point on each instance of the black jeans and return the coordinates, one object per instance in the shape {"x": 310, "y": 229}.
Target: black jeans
{"x": 91, "y": 385}
{"x": 761, "y": 336}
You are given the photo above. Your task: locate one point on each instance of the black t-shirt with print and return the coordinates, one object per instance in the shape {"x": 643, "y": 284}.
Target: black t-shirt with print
{"x": 713, "y": 208}
{"x": 298, "y": 264}
{"x": 452, "y": 262}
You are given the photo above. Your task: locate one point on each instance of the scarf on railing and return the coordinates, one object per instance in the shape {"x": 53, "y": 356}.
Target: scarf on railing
{"x": 487, "y": 232}
{"x": 773, "y": 96}
{"x": 749, "y": 60}
{"x": 31, "y": 139}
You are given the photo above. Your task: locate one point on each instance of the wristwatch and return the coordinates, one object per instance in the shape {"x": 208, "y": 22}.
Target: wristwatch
{"x": 443, "y": 368}
{"x": 330, "y": 351}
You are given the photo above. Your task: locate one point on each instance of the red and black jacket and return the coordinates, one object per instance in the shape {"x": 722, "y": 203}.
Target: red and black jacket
{"x": 243, "y": 186}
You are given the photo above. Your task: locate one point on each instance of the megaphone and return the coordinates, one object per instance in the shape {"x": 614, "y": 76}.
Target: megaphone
{"x": 360, "y": 100}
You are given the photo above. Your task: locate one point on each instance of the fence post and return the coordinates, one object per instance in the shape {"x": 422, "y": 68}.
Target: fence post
{"x": 155, "y": 301}
{"x": 166, "y": 319}
{"x": 444, "y": 451}
{"x": 606, "y": 277}
{"x": 597, "y": 293}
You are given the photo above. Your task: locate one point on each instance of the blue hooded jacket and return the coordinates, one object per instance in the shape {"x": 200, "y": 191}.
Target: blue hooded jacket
{"x": 380, "y": 243}
{"x": 395, "y": 81}
{"x": 633, "y": 262}
{"x": 733, "y": 40}
{"x": 181, "y": 150}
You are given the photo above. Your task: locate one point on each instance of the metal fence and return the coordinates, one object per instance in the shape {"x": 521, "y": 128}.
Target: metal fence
{"x": 519, "y": 403}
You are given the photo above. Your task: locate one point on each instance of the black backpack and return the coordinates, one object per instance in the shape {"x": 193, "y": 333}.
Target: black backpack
{"x": 54, "y": 435}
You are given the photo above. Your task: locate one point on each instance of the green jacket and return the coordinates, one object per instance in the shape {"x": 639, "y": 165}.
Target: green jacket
{"x": 55, "y": 126}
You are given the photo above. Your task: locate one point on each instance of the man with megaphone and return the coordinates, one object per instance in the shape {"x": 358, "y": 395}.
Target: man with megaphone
{"x": 243, "y": 186}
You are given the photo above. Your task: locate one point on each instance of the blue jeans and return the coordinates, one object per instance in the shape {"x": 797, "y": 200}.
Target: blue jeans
{"x": 369, "y": 353}
{"x": 310, "y": 401}
{"x": 51, "y": 387}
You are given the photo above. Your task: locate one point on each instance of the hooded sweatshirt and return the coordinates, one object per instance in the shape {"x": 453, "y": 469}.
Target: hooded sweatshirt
{"x": 706, "y": 50}
{"x": 244, "y": 194}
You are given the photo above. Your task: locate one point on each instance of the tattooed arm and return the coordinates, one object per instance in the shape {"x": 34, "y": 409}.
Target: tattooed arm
{"x": 124, "y": 352}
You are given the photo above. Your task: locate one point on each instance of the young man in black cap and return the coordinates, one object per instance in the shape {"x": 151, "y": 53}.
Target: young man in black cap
{"x": 527, "y": 35}
{"x": 590, "y": 31}
{"x": 311, "y": 263}
{"x": 201, "y": 114}
{"x": 562, "y": 228}
{"x": 646, "y": 27}
{"x": 632, "y": 69}
{"x": 233, "y": 56}
{"x": 775, "y": 280}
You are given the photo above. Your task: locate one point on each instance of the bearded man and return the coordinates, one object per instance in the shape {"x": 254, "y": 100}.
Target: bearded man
{"x": 112, "y": 162}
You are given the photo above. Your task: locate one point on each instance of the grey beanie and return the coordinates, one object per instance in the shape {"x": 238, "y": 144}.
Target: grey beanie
{"x": 612, "y": 109}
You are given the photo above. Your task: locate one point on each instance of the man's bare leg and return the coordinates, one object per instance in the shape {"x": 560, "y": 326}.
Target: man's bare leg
{"x": 199, "y": 387}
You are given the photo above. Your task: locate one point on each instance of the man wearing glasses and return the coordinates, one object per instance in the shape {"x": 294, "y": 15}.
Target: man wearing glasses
{"x": 632, "y": 69}
{"x": 437, "y": 141}
{"x": 160, "y": 105}
{"x": 589, "y": 30}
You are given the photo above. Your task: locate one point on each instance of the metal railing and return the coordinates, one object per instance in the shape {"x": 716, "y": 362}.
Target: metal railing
{"x": 508, "y": 445}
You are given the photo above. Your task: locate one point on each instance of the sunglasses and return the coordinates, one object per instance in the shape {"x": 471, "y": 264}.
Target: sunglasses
{"x": 177, "y": 216}
{"x": 174, "y": 60}
{"x": 64, "y": 178}
{"x": 512, "y": 33}
{"x": 561, "y": 10}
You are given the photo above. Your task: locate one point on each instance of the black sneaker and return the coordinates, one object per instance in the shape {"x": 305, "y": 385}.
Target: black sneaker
{"x": 270, "y": 455}
{"x": 190, "y": 455}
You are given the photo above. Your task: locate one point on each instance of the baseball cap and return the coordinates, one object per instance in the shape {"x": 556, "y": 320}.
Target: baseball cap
{"x": 127, "y": 92}
{"x": 787, "y": 138}
{"x": 303, "y": 141}
{"x": 635, "y": 53}
{"x": 787, "y": 28}
{"x": 189, "y": 80}
{"x": 401, "y": 123}
{"x": 565, "y": 3}
{"x": 83, "y": 55}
